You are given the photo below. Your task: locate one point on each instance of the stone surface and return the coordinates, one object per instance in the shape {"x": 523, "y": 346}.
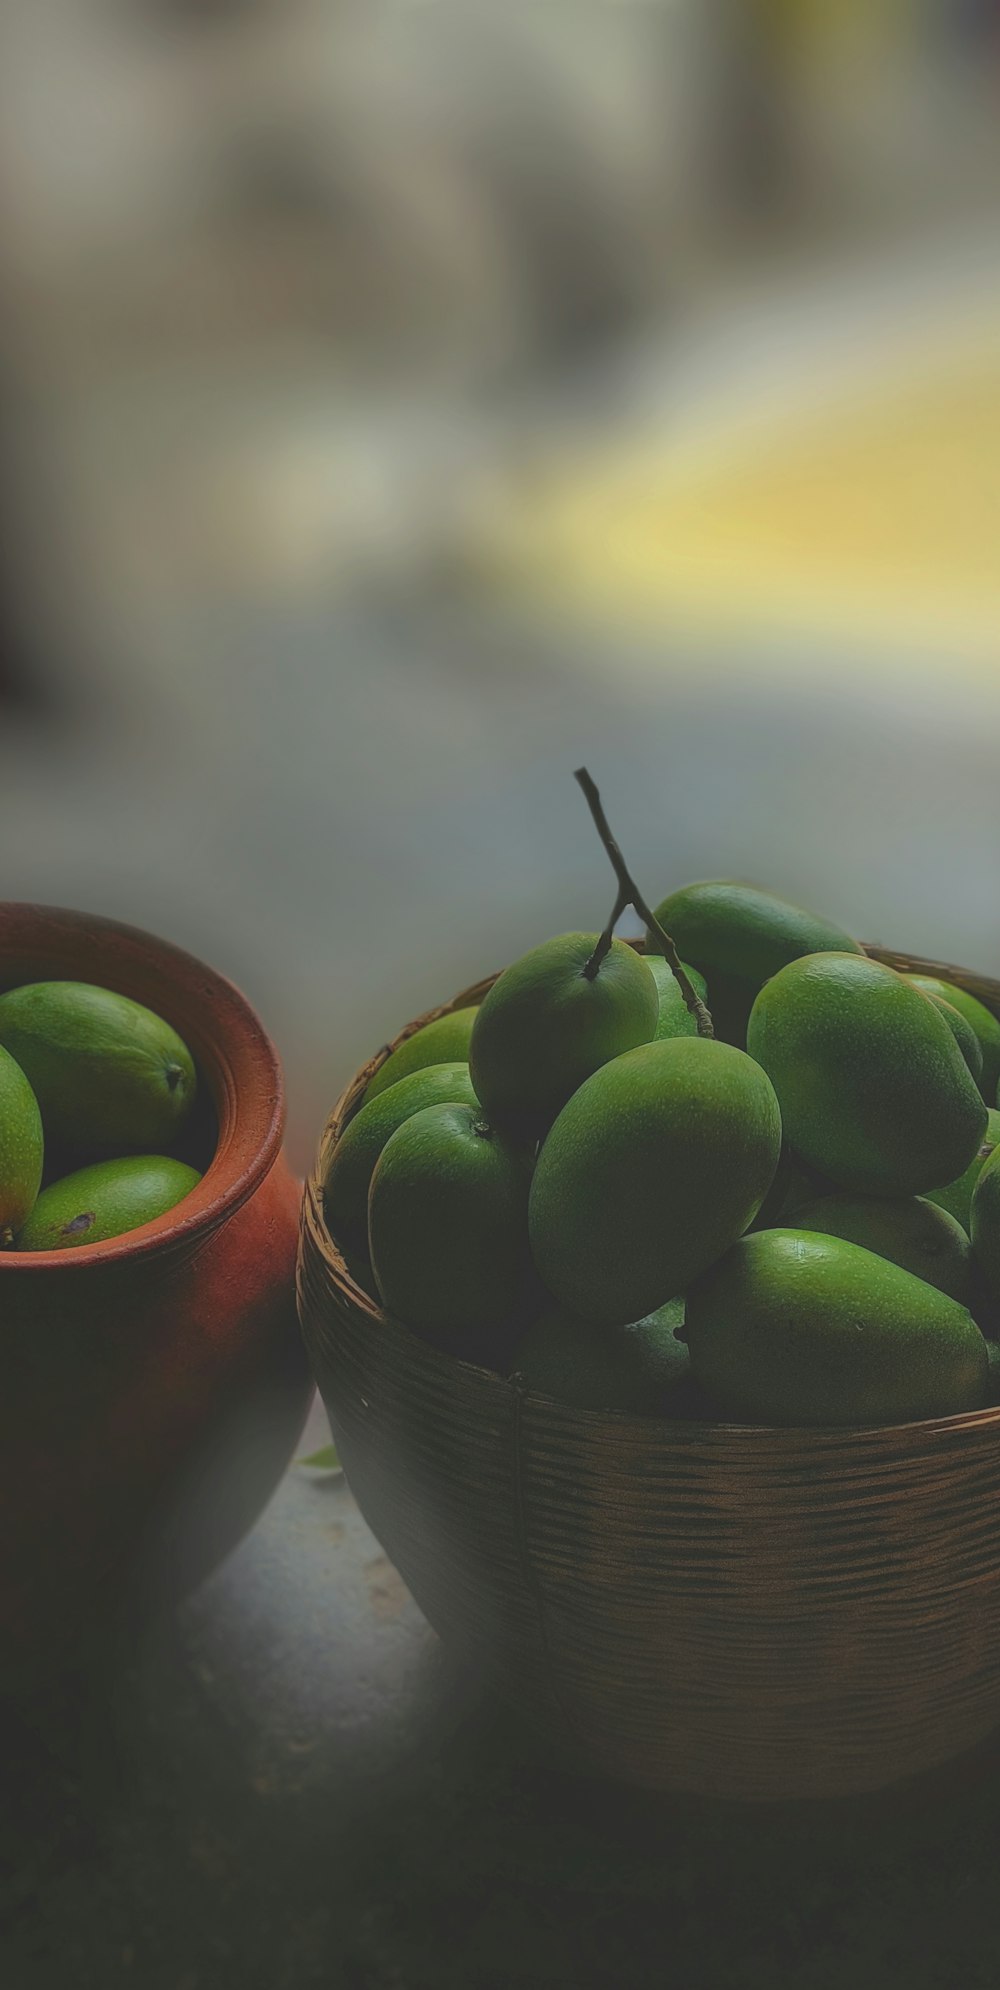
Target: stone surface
{"x": 293, "y": 1786}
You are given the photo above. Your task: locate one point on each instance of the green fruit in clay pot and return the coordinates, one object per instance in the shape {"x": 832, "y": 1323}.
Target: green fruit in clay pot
{"x": 675, "y": 1018}
{"x": 652, "y": 1169}
{"x": 956, "y": 1196}
{"x": 21, "y": 1148}
{"x": 447, "y": 1214}
{"x": 552, "y": 1019}
{"x": 106, "y": 1200}
{"x": 873, "y": 1089}
{"x": 109, "y": 1075}
{"x": 980, "y": 1019}
{"x": 738, "y": 936}
{"x": 444, "y": 1041}
{"x": 791, "y": 1327}
{"x": 909, "y": 1230}
{"x": 635, "y": 1369}
{"x": 350, "y": 1166}
{"x": 963, "y": 1033}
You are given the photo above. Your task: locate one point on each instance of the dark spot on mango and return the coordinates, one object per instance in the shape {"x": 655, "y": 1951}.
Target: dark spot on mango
{"x": 81, "y": 1222}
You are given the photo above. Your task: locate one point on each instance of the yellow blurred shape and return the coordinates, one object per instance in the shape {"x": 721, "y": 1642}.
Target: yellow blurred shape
{"x": 874, "y": 513}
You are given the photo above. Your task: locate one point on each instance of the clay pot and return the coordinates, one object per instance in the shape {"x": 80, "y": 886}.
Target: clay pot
{"x": 152, "y": 1388}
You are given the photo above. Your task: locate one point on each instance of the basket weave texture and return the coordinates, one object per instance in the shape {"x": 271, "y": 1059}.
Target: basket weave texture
{"x": 695, "y": 1607}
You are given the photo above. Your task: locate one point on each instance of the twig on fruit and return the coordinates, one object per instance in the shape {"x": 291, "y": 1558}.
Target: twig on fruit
{"x": 629, "y": 894}
{"x": 603, "y": 944}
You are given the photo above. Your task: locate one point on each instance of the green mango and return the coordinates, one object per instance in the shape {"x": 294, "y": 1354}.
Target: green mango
{"x": 993, "y": 1383}
{"x": 730, "y": 1001}
{"x": 110, "y": 1077}
{"x": 738, "y": 936}
{"x": 106, "y": 1200}
{"x": 675, "y": 1018}
{"x": 444, "y": 1041}
{"x": 963, "y": 1033}
{"x": 635, "y": 1368}
{"x": 652, "y": 1169}
{"x": 447, "y": 1225}
{"x": 545, "y": 1025}
{"x": 912, "y": 1232}
{"x": 791, "y": 1327}
{"x": 985, "y": 1222}
{"x": 349, "y": 1169}
{"x": 980, "y": 1019}
{"x": 21, "y": 1147}
{"x": 956, "y": 1196}
{"x": 873, "y": 1089}
{"x": 793, "y": 1185}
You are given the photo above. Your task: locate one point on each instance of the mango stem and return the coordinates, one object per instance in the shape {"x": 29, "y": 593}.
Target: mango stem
{"x": 629, "y": 894}
{"x": 604, "y": 943}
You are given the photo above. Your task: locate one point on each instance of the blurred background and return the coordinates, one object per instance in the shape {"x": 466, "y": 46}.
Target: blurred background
{"x": 405, "y": 400}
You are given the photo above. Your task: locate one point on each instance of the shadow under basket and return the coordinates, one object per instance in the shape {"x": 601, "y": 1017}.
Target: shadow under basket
{"x": 708, "y": 1608}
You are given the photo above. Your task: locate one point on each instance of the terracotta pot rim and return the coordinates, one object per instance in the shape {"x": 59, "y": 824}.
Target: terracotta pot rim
{"x": 233, "y": 1051}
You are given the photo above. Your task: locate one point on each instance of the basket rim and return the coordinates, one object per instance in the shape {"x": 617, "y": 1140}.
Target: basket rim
{"x": 985, "y": 987}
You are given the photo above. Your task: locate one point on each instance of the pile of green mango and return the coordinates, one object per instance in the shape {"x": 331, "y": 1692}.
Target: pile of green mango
{"x": 94, "y": 1091}
{"x": 794, "y": 1221}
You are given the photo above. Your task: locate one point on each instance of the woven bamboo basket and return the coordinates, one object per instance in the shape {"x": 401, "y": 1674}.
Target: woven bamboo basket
{"x": 708, "y": 1608}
